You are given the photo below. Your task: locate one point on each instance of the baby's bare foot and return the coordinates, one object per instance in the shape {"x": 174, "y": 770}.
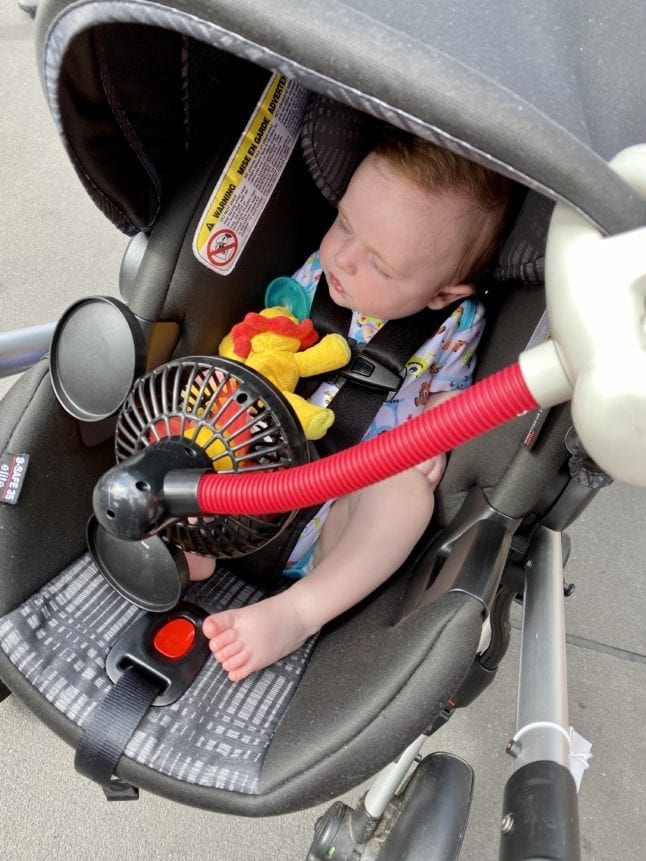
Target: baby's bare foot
{"x": 250, "y": 638}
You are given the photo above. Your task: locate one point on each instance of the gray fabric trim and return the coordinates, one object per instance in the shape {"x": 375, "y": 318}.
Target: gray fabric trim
{"x": 215, "y": 735}
{"x": 334, "y": 139}
{"x": 418, "y": 89}
{"x": 522, "y": 257}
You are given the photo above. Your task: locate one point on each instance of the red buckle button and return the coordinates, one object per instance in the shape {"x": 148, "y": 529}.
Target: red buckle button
{"x": 175, "y": 639}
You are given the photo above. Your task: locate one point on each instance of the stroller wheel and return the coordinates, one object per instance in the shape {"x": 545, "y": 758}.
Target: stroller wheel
{"x": 426, "y": 821}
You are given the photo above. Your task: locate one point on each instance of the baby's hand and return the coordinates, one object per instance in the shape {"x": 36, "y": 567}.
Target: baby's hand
{"x": 433, "y": 469}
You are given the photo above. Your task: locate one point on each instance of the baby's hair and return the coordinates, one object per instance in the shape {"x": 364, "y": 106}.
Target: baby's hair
{"x": 435, "y": 170}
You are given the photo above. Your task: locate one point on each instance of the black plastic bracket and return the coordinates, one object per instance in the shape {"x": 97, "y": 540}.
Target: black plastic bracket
{"x": 436, "y": 806}
{"x": 119, "y": 790}
{"x": 540, "y": 814}
{"x": 135, "y": 648}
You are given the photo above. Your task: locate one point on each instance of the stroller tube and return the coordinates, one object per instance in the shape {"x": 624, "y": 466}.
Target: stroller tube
{"x": 485, "y": 405}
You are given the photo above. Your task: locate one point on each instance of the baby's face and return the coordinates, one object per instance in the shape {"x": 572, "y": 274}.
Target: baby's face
{"x": 393, "y": 247}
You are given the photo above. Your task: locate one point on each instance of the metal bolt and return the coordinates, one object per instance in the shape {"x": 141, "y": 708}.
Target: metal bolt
{"x": 507, "y": 823}
{"x": 514, "y": 748}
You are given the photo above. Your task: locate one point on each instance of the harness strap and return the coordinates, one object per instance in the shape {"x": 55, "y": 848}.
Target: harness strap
{"x": 375, "y": 370}
{"x": 109, "y": 729}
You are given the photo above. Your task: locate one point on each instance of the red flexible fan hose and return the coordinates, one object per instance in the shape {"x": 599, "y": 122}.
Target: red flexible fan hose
{"x": 482, "y": 407}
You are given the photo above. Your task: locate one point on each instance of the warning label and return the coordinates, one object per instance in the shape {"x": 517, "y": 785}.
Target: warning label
{"x": 221, "y": 248}
{"x": 248, "y": 180}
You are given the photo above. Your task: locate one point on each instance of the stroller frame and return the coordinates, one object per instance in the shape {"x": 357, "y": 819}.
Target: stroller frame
{"x": 546, "y": 826}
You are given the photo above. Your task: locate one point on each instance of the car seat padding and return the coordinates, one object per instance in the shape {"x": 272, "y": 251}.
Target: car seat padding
{"x": 513, "y": 477}
{"x": 173, "y": 285}
{"x": 216, "y": 735}
{"x": 45, "y": 531}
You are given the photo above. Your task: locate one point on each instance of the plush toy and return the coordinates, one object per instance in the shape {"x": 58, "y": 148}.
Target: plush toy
{"x": 276, "y": 345}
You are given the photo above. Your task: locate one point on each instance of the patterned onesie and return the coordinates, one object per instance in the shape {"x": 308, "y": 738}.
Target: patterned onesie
{"x": 444, "y": 362}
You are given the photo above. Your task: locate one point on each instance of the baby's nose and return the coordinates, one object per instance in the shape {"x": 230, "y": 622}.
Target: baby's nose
{"x": 345, "y": 258}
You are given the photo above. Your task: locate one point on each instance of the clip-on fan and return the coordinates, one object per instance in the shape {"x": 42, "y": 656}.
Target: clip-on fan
{"x": 196, "y": 414}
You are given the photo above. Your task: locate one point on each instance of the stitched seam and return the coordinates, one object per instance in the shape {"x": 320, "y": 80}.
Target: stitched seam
{"x": 124, "y": 123}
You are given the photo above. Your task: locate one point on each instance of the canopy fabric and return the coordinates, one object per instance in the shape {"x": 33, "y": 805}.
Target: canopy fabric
{"x": 545, "y": 92}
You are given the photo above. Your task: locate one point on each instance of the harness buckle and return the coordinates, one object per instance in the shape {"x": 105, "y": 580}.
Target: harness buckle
{"x": 369, "y": 372}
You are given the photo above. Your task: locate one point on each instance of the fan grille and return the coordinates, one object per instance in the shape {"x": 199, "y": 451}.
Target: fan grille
{"x": 233, "y": 414}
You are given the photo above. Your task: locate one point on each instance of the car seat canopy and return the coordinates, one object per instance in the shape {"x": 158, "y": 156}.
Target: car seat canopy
{"x": 160, "y": 81}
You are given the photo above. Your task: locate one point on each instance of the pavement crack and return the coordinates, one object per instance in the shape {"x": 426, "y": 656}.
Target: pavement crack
{"x": 604, "y": 648}
{"x": 596, "y": 646}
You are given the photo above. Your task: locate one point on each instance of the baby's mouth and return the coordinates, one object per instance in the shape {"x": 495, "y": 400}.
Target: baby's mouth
{"x": 335, "y": 284}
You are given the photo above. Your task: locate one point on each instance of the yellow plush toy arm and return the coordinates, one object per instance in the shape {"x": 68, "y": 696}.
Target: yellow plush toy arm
{"x": 226, "y": 347}
{"x": 331, "y": 353}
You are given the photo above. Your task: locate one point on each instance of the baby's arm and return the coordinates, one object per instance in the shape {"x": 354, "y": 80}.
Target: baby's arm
{"x": 433, "y": 468}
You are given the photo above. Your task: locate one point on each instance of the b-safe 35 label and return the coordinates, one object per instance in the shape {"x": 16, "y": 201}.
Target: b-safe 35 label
{"x": 13, "y": 469}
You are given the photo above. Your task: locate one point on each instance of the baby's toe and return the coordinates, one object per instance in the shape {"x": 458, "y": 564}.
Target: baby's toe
{"x": 236, "y": 662}
{"x": 225, "y": 653}
{"x": 218, "y": 624}
{"x": 241, "y": 673}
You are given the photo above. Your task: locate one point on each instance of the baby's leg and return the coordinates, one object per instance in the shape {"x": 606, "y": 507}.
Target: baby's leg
{"x": 199, "y": 567}
{"x": 367, "y": 536}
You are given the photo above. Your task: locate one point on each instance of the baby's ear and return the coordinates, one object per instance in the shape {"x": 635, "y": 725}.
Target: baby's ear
{"x": 449, "y": 294}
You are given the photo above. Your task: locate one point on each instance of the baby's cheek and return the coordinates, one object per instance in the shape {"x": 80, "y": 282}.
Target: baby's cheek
{"x": 326, "y": 249}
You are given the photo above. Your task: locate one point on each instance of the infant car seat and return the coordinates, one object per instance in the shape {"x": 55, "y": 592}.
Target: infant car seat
{"x": 151, "y": 145}
{"x": 248, "y": 765}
